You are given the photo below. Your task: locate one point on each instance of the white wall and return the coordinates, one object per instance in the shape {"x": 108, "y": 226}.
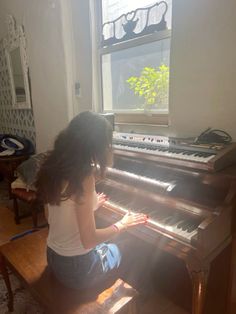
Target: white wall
{"x": 83, "y": 53}
{"x": 43, "y": 27}
{"x": 203, "y": 66}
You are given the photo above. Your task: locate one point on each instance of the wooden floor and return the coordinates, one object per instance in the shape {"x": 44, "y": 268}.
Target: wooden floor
{"x": 8, "y": 228}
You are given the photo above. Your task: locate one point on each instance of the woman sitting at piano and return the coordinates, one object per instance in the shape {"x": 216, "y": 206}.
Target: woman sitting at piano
{"x": 76, "y": 251}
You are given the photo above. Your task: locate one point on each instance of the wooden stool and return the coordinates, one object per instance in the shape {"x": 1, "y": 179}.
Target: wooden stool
{"x": 5, "y": 275}
{"x": 28, "y": 197}
{"x": 27, "y": 259}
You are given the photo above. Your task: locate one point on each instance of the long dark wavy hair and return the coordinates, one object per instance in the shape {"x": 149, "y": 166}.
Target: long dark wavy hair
{"x": 84, "y": 145}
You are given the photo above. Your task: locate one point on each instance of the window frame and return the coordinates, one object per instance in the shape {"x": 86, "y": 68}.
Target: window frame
{"x": 122, "y": 117}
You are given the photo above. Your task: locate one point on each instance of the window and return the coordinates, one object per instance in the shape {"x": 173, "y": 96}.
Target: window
{"x": 134, "y": 53}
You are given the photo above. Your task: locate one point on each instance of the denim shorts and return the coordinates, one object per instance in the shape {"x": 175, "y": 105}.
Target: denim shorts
{"x": 88, "y": 270}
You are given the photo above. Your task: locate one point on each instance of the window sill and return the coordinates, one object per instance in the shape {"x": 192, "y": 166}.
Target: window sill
{"x": 156, "y": 119}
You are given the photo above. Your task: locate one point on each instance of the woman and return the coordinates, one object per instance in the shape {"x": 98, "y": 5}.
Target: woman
{"x": 76, "y": 250}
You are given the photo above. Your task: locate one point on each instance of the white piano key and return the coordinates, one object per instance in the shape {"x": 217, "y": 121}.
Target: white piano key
{"x": 183, "y": 235}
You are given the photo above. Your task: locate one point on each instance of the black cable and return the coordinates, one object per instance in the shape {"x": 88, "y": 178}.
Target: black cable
{"x": 214, "y": 136}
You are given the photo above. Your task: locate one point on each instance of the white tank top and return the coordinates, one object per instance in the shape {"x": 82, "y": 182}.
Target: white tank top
{"x": 64, "y": 236}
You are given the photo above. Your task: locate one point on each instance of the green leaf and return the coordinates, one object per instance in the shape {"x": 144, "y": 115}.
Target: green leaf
{"x": 152, "y": 85}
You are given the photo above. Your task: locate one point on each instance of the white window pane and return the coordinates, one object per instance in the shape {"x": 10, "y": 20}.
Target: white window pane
{"x": 120, "y": 66}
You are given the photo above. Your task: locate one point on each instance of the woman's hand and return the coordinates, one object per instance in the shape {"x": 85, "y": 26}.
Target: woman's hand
{"x": 102, "y": 198}
{"x": 131, "y": 219}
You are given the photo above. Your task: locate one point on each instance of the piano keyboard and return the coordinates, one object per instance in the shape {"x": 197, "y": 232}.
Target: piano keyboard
{"x": 178, "y": 152}
{"x": 153, "y": 145}
{"x": 167, "y": 152}
{"x": 176, "y": 226}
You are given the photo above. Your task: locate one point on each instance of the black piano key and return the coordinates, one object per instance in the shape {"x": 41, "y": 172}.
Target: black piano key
{"x": 153, "y": 147}
{"x": 192, "y": 227}
{"x": 185, "y": 225}
{"x": 181, "y": 223}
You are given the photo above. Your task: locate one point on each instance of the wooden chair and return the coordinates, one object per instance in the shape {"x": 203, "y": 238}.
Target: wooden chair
{"x": 27, "y": 259}
{"x": 8, "y": 166}
{"x": 28, "y": 197}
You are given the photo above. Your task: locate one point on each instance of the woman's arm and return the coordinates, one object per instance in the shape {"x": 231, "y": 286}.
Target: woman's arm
{"x": 90, "y": 236}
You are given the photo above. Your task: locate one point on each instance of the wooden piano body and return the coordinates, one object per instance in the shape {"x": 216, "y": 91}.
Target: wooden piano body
{"x": 190, "y": 211}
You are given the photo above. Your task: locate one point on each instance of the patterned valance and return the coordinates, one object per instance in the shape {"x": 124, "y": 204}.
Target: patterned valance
{"x": 142, "y": 21}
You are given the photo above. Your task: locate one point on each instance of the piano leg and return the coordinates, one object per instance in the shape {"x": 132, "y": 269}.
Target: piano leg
{"x": 199, "y": 284}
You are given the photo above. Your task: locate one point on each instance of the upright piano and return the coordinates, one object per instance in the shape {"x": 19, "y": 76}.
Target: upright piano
{"x": 189, "y": 205}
